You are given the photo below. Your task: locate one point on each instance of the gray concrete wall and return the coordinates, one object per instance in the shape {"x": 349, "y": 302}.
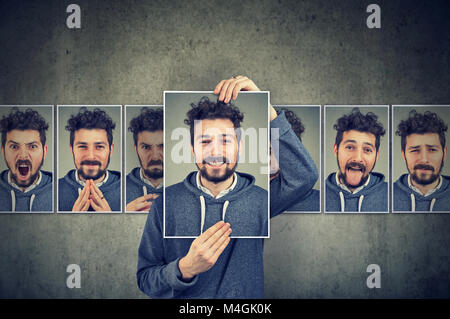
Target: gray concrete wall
{"x": 303, "y": 52}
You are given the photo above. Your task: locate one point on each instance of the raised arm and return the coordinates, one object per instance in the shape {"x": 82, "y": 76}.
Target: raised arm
{"x": 298, "y": 173}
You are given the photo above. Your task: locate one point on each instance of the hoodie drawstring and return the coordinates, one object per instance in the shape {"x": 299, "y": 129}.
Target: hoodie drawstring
{"x": 224, "y": 209}
{"x": 144, "y": 190}
{"x": 432, "y": 204}
{"x": 341, "y": 195}
{"x": 31, "y": 201}
{"x": 360, "y": 201}
{"x": 203, "y": 209}
{"x": 13, "y": 200}
{"x": 203, "y": 212}
{"x": 361, "y": 198}
{"x": 413, "y": 203}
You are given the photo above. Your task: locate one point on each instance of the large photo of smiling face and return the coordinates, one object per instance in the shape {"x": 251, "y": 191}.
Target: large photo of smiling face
{"x": 216, "y": 164}
{"x": 420, "y": 174}
{"x": 26, "y": 170}
{"x": 89, "y": 159}
{"x": 356, "y": 159}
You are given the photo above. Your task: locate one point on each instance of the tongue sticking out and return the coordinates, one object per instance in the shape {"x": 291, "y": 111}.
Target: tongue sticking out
{"x": 354, "y": 176}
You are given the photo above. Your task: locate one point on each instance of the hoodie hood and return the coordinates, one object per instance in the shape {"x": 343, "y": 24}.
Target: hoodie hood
{"x": 415, "y": 201}
{"x": 37, "y": 199}
{"x": 373, "y": 197}
{"x": 136, "y": 187}
{"x": 190, "y": 211}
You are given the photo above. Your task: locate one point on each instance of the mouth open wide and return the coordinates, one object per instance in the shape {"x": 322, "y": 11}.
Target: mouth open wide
{"x": 24, "y": 170}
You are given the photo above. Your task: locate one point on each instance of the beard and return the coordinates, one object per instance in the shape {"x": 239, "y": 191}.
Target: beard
{"x": 33, "y": 177}
{"x": 94, "y": 177}
{"x": 90, "y": 173}
{"x": 155, "y": 173}
{"x": 423, "y": 179}
{"x": 216, "y": 178}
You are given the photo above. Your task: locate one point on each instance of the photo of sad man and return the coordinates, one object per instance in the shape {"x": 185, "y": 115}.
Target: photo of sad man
{"x": 425, "y": 187}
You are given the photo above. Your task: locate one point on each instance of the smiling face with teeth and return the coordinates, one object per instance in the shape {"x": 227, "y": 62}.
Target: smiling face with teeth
{"x": 91, "y": 153}
{"x": 215, "y": 149}
{"x": 24, "y": 156}
{"x": 356, "y": 157}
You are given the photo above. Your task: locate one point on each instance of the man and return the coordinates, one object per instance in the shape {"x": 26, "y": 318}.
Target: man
{"x": 424, "y": 151}
{"x": 216, "y": 191}
{"x": 355, "y": 187}
{"x": 215, "y": 265}
{"x": 24, "y": 187}
{"x": 90, "y": 186}
{"x": 311, "y": 201}
{"x": 145, "y": 183}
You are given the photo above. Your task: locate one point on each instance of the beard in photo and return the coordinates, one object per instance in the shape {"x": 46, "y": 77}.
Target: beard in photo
{"x": 90, "y": 174}
{"x": 425, "y": 179}
{"x": 219, "y": 176}
{"x": 153, "y": 173}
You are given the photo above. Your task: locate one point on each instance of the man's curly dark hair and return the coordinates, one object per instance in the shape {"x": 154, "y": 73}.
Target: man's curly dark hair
{"x": 206, "y": 109}
{"x": 355, "y": 120}
{"x": 295, "y": 121}
{"x": 87, "y": 119}
{"x": 149, "y": 120}
{"x": 23, "y": 120}
{"x": 418, "y": 123}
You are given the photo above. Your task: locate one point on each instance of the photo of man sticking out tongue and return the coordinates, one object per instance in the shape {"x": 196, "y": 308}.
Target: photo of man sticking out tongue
{"x": 24, "y": 186}
{"x": 355, "y": 187}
